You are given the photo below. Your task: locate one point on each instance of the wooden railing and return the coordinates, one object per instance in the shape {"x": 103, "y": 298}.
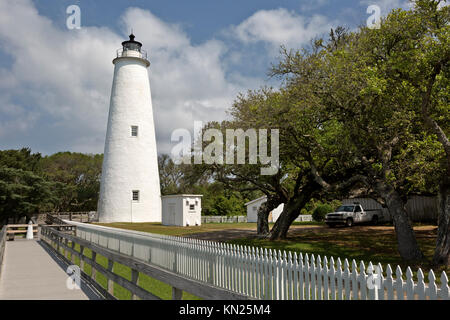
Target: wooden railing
{"x": 2, "y": 245}
{"x": 71, "y": 216}
{"x": 60, "y": 241}
{"x": 15, "y": 229}
{"x": 51, "y": 219}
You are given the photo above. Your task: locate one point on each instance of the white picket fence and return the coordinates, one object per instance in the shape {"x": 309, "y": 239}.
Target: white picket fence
{"x": 224, "y": 219}
{"x": 268, "y": 274}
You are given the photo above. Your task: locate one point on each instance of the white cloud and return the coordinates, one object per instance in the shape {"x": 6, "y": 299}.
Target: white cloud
{"x": 188, "y": 82}
{"x": 281, "y": 27}
{"x": 56, "y": 92}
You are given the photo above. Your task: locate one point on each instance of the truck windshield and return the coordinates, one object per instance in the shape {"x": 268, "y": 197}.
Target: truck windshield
{"x": 345, "y": 208}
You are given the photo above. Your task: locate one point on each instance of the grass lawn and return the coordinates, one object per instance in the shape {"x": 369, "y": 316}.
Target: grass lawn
{"x": 178, "y": 231}
{"x": 375, "y": 244}
{"x": 158, "y": 288}
{"x": 158, "y": 228}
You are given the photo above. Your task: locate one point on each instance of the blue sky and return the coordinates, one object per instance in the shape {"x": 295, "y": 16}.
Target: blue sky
{"x": 55, "y": 82}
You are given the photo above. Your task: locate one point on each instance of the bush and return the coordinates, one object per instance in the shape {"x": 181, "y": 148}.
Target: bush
{"x": 320, "y": 211}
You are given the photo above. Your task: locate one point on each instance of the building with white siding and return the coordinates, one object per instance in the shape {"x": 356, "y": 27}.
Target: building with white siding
{"x": 129, "y": 188}
{"x": 253, "y": 206}
{"x": 182, "y": 210}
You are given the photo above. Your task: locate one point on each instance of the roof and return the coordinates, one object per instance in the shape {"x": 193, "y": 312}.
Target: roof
{"x": 256, "y": 200}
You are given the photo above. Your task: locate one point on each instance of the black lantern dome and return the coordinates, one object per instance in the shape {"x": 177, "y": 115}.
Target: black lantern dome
{"x": 131, "y": 44}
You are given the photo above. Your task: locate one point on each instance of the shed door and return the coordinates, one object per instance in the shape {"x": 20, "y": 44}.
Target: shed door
{"x": 172, "y": 213}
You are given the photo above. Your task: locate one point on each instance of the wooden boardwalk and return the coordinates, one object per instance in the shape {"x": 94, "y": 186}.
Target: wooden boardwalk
{"x": 32, "y": 272}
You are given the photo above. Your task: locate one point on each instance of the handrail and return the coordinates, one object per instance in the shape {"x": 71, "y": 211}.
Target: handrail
{"x": 50, "y": 219}
{"x": 133, "y": 53}
{"x": 11, "y": 230}
{"x": 2, "y": 245}
{"x": 57, "y": 240}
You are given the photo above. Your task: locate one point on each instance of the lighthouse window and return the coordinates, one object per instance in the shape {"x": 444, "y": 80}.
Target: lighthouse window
{"x": 191, "y": 207}
{"x": 134, "y": 131}
{"x": 135, "y": 195}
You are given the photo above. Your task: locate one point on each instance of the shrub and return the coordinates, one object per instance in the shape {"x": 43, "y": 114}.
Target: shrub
{"x": 320, "y": 211}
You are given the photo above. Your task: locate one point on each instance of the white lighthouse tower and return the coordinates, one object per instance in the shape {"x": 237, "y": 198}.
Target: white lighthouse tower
{"x": 129, "y": 190}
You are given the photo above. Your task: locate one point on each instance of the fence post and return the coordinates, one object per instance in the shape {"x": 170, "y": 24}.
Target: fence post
{"x": 134, "y": 280}
{"x": 399, "y": 283}
{"x": 326, "y": 285}
{"x": 409, "y": 284}
{"x": 362, "y": 281}
{"x": 306, "y": 272}
{"x": 444, "y": 291}
{"x": 381, "y": 282}
{"x": 93, "y": 270}
{"x": 346, "y": 277}
{"x": 72, "y": 256}
{"x": 420, "y": 285}
{"x": 312, "y": 273}
{"x": 177, "y": 294}
{"x": 110, "y": 283}
{"x": 354, "y": 280}
{"x": 432, "y": 289}
{"x": 82, "y": 258}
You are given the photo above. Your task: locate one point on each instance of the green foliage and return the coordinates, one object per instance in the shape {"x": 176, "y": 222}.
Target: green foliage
{"x": 23, "y": 193}
{"x": 78, "y": 179}
{"x": 30, "y": 183}
{"x": 20, "y": 159}
{"x": 320, "y": 211}
{"x": 223, "y": 206}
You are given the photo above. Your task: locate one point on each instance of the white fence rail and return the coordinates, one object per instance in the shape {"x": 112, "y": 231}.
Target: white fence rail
{"x": 224, "y": 219}
{"x": 243, "y": 219}
{"x": 268, "y": 274}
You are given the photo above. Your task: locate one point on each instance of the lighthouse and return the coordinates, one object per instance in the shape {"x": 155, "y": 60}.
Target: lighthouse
{"x": 129, "y": 189}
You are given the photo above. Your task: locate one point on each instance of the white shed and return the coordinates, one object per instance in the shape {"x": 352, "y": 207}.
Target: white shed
{"x": 182, "y": 210}
{"x": 253, "y": 206}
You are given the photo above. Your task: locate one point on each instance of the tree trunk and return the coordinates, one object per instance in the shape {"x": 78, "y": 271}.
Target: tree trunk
{"x": 290, "y": 212}
{"x": 263, "y": 220}
{"x": 442, "y": 251}
{"x": 263, "y": 215}
{"x": 406, "y": 239}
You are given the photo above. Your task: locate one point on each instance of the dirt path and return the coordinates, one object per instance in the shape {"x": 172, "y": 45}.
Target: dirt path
{"x": 295, "y": 231}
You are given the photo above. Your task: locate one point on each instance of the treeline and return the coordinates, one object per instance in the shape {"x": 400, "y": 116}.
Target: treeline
{"x": 362, "y": 112}
{"x": 68, "y": 182}
{"x": 218, "y": 199}
{"x": 32, "y": 183}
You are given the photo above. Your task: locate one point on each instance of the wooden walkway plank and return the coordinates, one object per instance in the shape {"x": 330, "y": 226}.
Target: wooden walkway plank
{"x": 31, "y": 273}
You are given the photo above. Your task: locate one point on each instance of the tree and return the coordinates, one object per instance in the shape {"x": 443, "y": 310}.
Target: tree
{"x": 408, "y": 60}
{"x": 170, "y": 175}
{"x": 78, "y": 176}
{"x": 23, "y": 193}
{"x": 20, "y": 159}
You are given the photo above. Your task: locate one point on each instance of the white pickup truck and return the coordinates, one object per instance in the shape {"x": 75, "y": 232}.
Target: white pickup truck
{"x": 350, "y": 214}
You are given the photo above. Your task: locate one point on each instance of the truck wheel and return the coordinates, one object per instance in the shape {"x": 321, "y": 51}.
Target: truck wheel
{"x": 375, "y": 220}
{"x": 349, "y": 222}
